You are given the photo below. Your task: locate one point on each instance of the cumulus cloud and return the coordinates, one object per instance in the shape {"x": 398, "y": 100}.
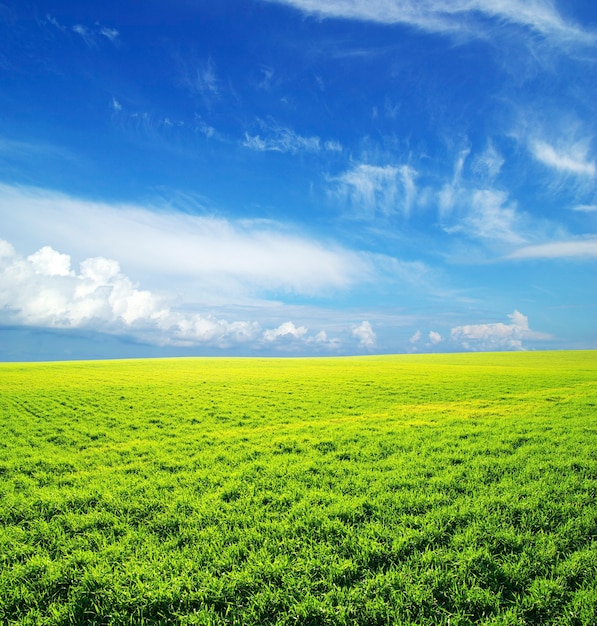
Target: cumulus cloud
{"x": 285, "y": 330}
{"x": 497, "y": 336}
{"x": 45, "y": 290}
{"x": 434, "y": 337}
{"x": 370, "y": 190}
{"x": 365, "y": 334}
{"x": 462, "y": 17}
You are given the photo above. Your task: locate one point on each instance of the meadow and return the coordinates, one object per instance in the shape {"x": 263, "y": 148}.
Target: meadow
{"x": 422, "y": 489}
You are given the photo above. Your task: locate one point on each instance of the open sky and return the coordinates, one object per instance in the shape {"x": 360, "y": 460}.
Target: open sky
{"x": 296, "y": 177}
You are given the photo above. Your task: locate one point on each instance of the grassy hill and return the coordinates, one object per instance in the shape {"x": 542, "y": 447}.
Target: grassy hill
{"x": 427, "y": 489}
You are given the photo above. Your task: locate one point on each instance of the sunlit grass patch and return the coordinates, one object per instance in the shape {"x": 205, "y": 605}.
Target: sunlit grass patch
{"x": 438, "y": 489}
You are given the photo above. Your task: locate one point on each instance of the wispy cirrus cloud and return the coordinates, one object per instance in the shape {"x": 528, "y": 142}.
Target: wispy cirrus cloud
{"x": 372, "y": 190}
{"x": 461, "y": 17}
{"x": 85, "y": 34}
{"x": 273, "y": 137}
{"x": 578, "y": 247}
{"x": 91, "y": 35}
{"x": 486, "y": 214}
{"x": 569, "y": 159}
{"x": 480, "y": 212}
{"x": 200, "y": 77}
{"x": 216, "y": 257}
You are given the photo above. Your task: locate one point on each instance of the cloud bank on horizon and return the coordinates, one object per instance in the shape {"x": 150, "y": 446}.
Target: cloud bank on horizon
{"x": 389, "y": 176}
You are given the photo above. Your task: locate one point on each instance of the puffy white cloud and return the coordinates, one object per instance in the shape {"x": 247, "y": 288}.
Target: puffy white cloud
{"x": 497, "y": 336}
{"x": 50, "y": 263}
{"x": 365, "y": 334}
{"x": 42, "y": 290}
{"x": 285, "y": 330}
{"x": 434, "y": 337}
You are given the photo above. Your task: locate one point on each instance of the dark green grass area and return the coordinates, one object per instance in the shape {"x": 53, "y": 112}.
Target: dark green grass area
{"x": 445, "y": 489}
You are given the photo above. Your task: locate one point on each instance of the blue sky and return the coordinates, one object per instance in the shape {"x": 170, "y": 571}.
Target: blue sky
{"x": 297, "y": 177}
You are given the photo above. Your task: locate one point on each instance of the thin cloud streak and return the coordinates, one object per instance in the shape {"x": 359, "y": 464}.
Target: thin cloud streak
{"x": 276, "y": 138}
{"x": 459, "y": 17}
{"x": 572, "y": 160}
{"x": 237, "y": 258}
{"x": 572, "y": 248}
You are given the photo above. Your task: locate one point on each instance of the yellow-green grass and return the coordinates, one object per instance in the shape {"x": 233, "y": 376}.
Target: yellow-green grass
{"x": 427, "y": 489}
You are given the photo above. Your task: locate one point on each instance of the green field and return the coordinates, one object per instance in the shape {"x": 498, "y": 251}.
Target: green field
{"x": 429, "y": 489}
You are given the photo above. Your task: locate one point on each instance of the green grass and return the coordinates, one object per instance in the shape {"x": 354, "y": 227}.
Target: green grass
{"x": 439, "y": 489}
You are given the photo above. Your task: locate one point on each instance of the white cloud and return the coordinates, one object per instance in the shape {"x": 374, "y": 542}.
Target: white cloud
{"x": 52, "y": 20}
{"x": 285, "y": 330}
{"x": 464, "y": 17}
{"x": 416, "y": 337}
{"x": 448, "y": 196}
{"x": 333, "y": 146}
{"x": 276, "y": 138}
{"x": 109, "y": 33}
{"x": 572, "y": 159}
{"x": 200, "y": 77}
{"x": 573, "y": 248}
{"x": 497, "y": 336}
{"x": 43, "y": 290}
{"x": 491, "y": 216}
{"x": 480, "y": 213}
{"x": 214, "y": 258}
{"x": 50, "y": 263}
{"x": 372, "y": 189}
{"x": 434, "y": 337}
{"x": 488, "y": 165}
{"x": 586, "y": 208}
{"x": 87, "y": 36}
{"x": 365, "y": 334}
